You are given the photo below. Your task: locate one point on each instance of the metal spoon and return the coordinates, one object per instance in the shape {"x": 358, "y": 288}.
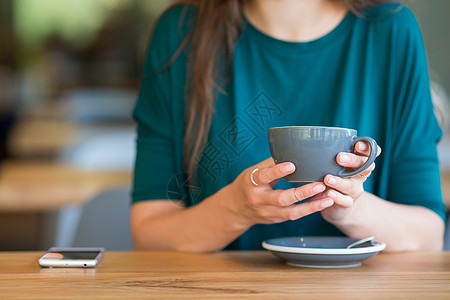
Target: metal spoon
{"x": 361, "y": 241}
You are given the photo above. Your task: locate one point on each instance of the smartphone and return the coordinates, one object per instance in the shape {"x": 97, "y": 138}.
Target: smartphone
{"x": 71, "y": 257}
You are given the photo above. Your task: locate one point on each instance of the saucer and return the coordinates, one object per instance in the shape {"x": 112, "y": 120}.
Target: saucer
{"x": 323, "y": 251}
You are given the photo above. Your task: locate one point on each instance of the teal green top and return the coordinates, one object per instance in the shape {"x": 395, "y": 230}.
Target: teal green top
{"x": 369, "y": 74}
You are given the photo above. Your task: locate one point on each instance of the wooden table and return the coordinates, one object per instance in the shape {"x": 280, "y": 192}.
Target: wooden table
{"x": 36, "y": 197}
{"x": 41, "y": 137}
{"x": 34, "y": 187}
{"x": 242, "y": 275}
{"x": 38, "y": 138}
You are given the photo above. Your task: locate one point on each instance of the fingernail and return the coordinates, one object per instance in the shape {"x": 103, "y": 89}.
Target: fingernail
{"x": 326, "y": 203}
{"x": 318, "y": 188}
{"x": 331, "y": 180}
{"x": 332, "y": 194}
{"x": 344, "y": 158}
{"x": 288, "y": 168}
{"x": 362, "y": 146}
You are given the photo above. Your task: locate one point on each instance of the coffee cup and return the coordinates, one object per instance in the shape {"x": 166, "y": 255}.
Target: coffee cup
{"x": 313, "y": 150}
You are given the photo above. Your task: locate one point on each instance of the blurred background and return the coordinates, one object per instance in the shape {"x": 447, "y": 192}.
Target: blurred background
{"x": 69, "y": 76}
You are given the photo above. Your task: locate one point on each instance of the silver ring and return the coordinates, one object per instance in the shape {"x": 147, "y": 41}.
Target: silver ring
{"x": 251, "y": 176}
{"x": 295, "y": 194}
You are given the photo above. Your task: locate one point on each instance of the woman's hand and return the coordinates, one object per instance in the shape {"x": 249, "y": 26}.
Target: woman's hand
{"x": 346, "y": 191}
{"x": 252, "y": 199}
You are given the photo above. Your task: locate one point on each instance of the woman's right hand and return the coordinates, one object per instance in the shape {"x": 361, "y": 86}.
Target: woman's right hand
{"x": 256, "y": 202}
{"x": 219, "y": 219}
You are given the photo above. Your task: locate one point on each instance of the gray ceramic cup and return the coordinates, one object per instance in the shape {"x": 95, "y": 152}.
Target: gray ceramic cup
{"x": 313, "y": 150}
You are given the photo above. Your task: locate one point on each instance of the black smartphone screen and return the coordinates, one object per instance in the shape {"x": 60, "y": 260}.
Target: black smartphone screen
{"x": 63, "y": 254}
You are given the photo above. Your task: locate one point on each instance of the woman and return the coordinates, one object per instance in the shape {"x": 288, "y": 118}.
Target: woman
{"x": 218, "y": 74}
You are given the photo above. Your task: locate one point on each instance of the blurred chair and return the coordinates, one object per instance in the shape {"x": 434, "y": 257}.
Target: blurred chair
{"x": 105, "y": 139}
{"x": 447, "y": 234}
{"x": 104, "y": 221}
{"x": 107, "y": 149}
{"x": 97, "y": 149}
{"x": 99, "y": 105}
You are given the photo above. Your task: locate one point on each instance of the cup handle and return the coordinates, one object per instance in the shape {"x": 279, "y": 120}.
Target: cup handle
{"x": 373, "y": 154}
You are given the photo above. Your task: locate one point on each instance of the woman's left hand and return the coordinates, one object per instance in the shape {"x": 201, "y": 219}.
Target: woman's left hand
{"x": 346, "y": 191}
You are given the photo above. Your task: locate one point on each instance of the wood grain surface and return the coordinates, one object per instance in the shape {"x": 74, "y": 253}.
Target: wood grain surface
{"x": 240, "y": 275}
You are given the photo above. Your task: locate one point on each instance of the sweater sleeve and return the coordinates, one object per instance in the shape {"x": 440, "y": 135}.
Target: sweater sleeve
{"x": 414, "y": 177}
{"x": 158, "y": 154}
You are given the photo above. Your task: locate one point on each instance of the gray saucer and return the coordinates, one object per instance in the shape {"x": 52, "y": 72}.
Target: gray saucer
{"x": 322, "y": 252}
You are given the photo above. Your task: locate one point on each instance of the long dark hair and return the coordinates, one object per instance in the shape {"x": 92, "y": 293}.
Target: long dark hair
{"x": 217, "y": 27}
